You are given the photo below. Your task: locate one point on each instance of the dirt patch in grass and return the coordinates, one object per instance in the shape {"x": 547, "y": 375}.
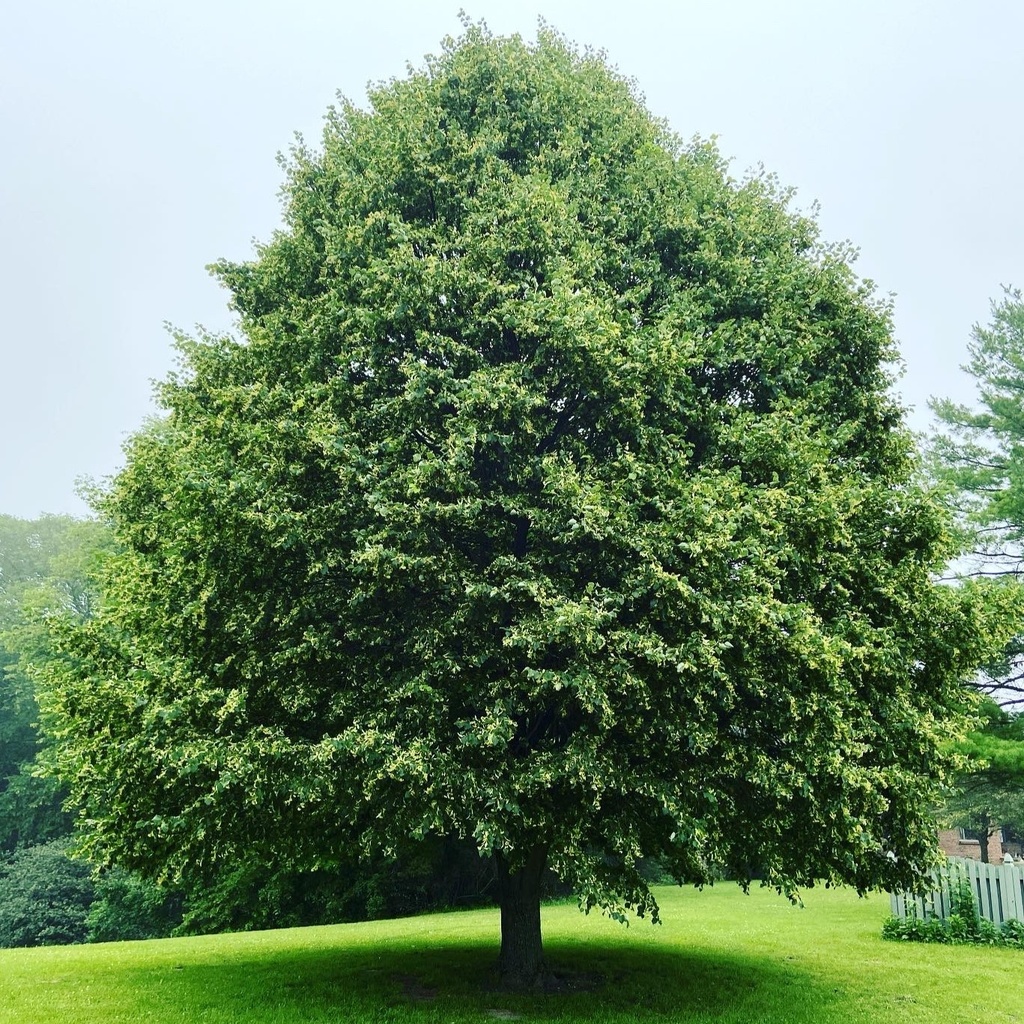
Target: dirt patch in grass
{"x": 565, "y": 980}
{"x": 414, "y": 989}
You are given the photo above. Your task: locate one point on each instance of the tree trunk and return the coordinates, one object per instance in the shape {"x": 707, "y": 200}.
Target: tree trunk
{"x": 521, "y": 961}
{"x": 985, "y": 834}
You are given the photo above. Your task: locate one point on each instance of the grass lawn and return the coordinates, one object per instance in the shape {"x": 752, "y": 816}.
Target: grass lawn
{"x": 720, "y": 956}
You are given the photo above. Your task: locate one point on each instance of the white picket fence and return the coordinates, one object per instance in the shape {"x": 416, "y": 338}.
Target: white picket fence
{"x": 998, "y": 892}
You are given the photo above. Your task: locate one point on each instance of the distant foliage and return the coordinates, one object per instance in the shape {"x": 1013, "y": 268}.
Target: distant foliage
{"x": 30, "y": 811}
{"x": 130, "y": 907}
{"x": 44, "y": 897}
{"x": 47, "y": 571}
{"x": 437, "y": 874}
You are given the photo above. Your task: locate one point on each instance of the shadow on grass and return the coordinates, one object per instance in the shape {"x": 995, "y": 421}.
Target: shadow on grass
{"x": 456, "y": 981}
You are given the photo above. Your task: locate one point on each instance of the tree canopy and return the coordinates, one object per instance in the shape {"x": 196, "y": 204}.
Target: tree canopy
{"x": 551, "y": 495}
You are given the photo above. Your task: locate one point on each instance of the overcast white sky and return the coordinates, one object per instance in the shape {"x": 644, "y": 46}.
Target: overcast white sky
{"x": 139, "y": 140}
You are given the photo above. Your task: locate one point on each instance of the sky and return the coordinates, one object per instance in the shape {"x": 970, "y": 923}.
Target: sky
{"x": 139, "y": 142}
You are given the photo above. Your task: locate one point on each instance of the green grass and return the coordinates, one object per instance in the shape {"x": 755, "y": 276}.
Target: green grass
{"x": 720, "y": 956}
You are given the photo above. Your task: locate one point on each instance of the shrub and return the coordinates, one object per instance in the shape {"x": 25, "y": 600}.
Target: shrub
{"x": 958, "y": 929}
{"x": 1013, "y": 934}
{"x": 44, "y": 897}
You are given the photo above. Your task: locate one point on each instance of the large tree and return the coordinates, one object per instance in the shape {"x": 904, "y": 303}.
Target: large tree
{"x": 977, "y": 457}
{"x": 551, "y": 496}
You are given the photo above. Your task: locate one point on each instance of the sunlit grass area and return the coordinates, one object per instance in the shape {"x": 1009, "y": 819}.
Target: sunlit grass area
{"x": 719, "y": 956}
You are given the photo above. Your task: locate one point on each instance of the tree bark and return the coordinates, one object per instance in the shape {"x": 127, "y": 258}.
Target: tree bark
{"x": 521, "y": 960}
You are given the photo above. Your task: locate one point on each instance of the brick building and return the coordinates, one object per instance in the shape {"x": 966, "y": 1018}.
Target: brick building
{"x": 954, "y": 843}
